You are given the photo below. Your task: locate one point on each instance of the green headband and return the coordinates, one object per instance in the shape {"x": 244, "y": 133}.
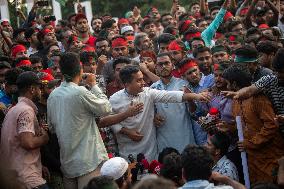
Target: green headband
{"x": 239, "y": 59}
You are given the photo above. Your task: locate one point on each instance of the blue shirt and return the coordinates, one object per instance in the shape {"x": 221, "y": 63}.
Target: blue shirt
{"x": 5, "y": 99}
{"x": 177, "y": 130}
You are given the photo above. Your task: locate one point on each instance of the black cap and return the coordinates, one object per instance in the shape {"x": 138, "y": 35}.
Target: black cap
{"x": 27, "y": 79}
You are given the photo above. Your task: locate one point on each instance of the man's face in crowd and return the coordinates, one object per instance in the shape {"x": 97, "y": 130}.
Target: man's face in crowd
{"x": 211, "y": 148}
{"x": 163, "y": 47}
{"x": 35, "y": 90}
{"x": 176, "y": 56}
{"x": 56, "y": 72}
{"x": 146, "y": 43}
{"x": 128, "y": 33}
{"x": 102, "y": 47}
{"x": 73, "y": 21}
{"x": 164, "y": 66}
{"x": 155, "y": 15}
{"x": 234, "y": 45}
{"x": 137, "y": 83}
{"x": 114, "y": 28}
{"x": 151, "y": 30}
{"x": 195, "y": 8}
{"x": 117, "y": 69}
{"x": 261, "y": 19}
{"x": 149, "y": 63}
{"x": 193, "y": 75}
{"x": 204, "y": 60}
{"x": 214, "y": 13}
{"x": 34, "y": 40}
{"x": 119, "y": 51}
{"x": 37, "y": 67}
{"x": 96, "y": 25}
{"x": 53, "y": 49}
{"x": 7, "y": 27}
{"x": 49, "y": 38}
{"x": 82, "y": 25}
{"x": 90, "y": 67}
{"x": 269, "y": 15}
{"x": 131, "y": 46}
{"x": 203, "y": 25}
{"x": 220, "y": 56}
{"x": 21, "y": 54}
{"x": 220, "y": 82}
{"x": 196, "y": 44}
{"x": 238, "y": 30}
{"x": 21, "y": 38}
{"x": 167, "y": 20}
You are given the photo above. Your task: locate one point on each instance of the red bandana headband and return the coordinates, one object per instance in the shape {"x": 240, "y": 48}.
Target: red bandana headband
{"x": 46, "y": 31}
{"x": 189, "y": 36}
{"x": 119, "y": 42}
{"x": 174, "y": 46}
{"x": 24, "y": 63}
{"x": 18, "y": 48}
{"x": 190, "y": 64}
{"x": 185, "y": 25}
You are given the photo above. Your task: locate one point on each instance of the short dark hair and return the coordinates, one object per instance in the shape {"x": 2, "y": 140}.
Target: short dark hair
{"x": 157, "y": 183}
{"x": 200, "y": 50}
{"x": 239, "y": 74}
{"x": 197, "y": 163}
{"x": 125, "y": 73}
{"x": 12, "y": 75}
{"x": 277, "y": 62}
{"x": 146, "y": 22}
{"x": 69, "y": 65}
{"x": 35, "y": 59}
{"x": 165, "y": 14}
{"x": 252, "y": 31}
{"x": 108, "y": 23}
{"x": 99, "y": 39}
{"x": 172, "y": 167}
{"x": 247, "y": 51}
{"x": 195, "y": 39}
{"x": 267, "y": 47}
{"x": 29, "y": 32}
{"x": 166, "y": 151}
{"x": 166, "y": 38}
{"x": 121, "y": 60}
{"x": 233, "y": 24}
{"x": 101, "y": 182}
{"x": 164, "y": 54}
{"x": 199, "y": 20}
{"x": 221, "y": 141}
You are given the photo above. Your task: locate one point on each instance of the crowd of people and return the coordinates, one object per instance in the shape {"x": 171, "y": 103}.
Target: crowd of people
{"x": 145, "y": 101}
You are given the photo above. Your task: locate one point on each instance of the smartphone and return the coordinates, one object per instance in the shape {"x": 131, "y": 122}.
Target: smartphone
{"x": 43, "y": 3}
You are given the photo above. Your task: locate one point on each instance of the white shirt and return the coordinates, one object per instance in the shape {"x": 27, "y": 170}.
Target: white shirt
{"x": 142, "y": 122}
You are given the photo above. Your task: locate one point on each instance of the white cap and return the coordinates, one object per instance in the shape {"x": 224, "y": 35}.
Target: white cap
{"x": 4, "y": 20}
{"x": 114, "y": 167}
{"x": 126, "y": 29}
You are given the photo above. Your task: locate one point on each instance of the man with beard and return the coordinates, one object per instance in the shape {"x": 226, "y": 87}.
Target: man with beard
{"x": 22, "y": 136}
{"x": 103, "y": 53}
{"x": 204, "y": 60}
{"x": 19, "y": 36}
{"x": 45, "y": 37}
{"x": 176, "y": 130}
{"x": 83, "y": 30}
{"x": 131, "y": 48}
{"x": 137, "y": 134}
{"x": 96, "y": 25}
{"x": 142, "y": 42}
{"x": 266, "y": 51}
{"x": 31, "y": 37}
{"x": 149, "y": 27}
{"x": 119, "y": 47}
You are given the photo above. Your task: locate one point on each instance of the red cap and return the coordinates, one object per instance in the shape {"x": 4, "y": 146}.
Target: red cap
{"x": 46, "y": 77}
{"x": 189, "y": 36}
{"x": 213, "y": 111}
{"x": 45, "y": 31}
{"x": 24, "y": 63}
{"x": 153, "y": 167}
{"x": 228, "y": 15}
{"x": 145, "y": 163}
{"x": 123, "y": 21}
{"x": 16, "y": 49}
{"x": 174, "y": 46}
{"x": 119, "y": 42}
{"x": 263, "y": 26}
{"x": 190, "y": 64}
{"x": 88, "y": 48}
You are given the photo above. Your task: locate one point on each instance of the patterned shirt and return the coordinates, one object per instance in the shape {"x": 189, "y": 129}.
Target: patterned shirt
{"x": 227, "y": 168}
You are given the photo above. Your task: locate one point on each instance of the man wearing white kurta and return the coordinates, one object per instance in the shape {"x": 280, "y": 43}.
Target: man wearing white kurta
{"x": 137, "y": 134}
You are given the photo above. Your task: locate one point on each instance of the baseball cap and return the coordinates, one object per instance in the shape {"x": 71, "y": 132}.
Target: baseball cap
{"x": 114, "y": 167}
{"x": 28, "y": 78}
{"x": 126, "y": 29}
